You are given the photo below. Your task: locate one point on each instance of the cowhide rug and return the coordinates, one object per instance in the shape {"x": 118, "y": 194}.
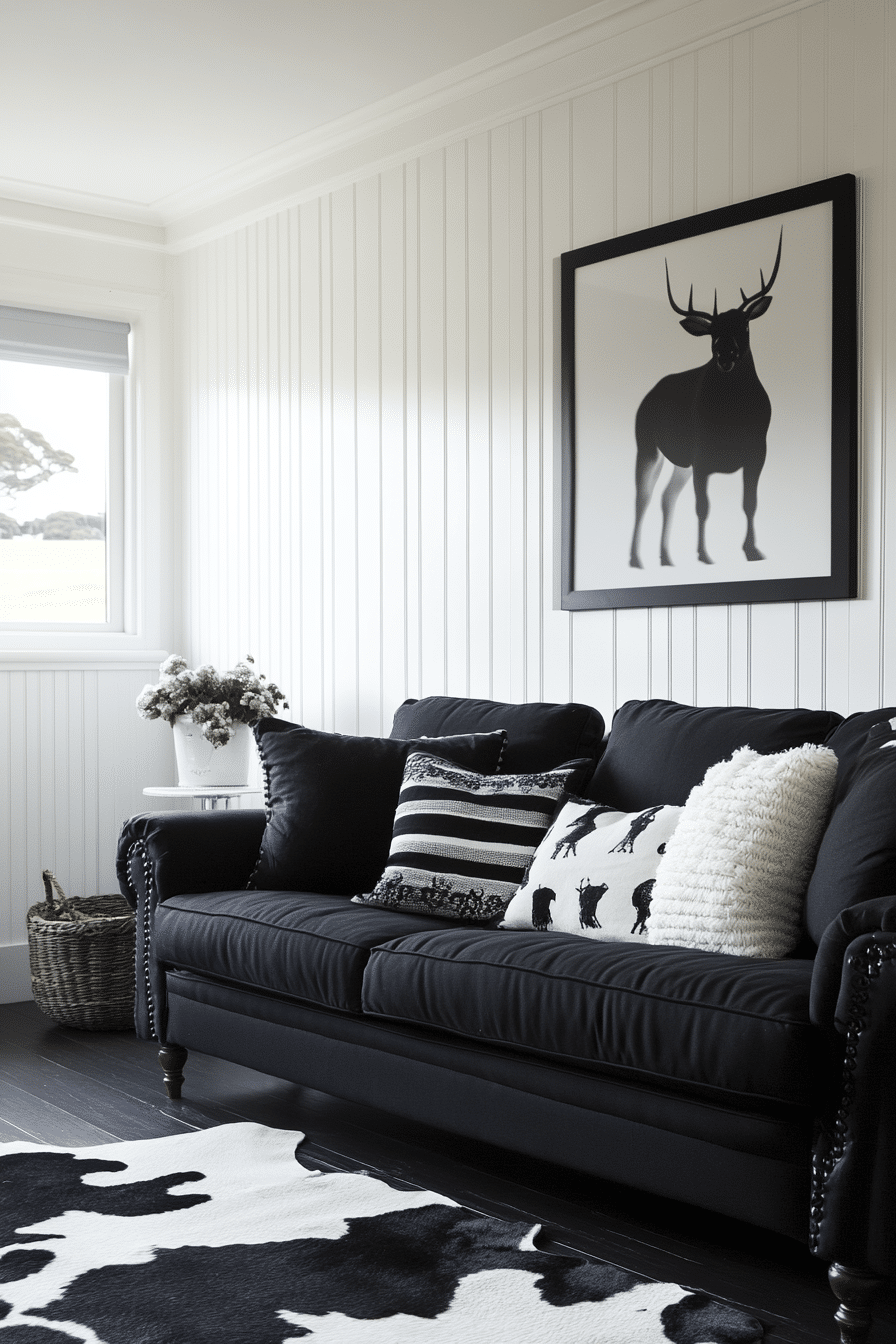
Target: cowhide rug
{"x": 222, "y": 1237}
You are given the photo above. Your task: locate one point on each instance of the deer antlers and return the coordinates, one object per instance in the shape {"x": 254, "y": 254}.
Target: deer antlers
{"x": 765, "y": 287}
{"x": 748, "y": 300}
{"x": 690, "y": 311}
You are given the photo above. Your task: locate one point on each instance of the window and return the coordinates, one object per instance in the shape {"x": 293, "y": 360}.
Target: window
{"x": 61, "y": 440}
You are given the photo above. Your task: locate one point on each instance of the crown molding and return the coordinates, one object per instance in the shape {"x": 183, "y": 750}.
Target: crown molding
{"x": 67, "y": 213}
{"x": 606, "y": 42}
{"x": 612, "y": 40}
{"x": 526, "y": 53}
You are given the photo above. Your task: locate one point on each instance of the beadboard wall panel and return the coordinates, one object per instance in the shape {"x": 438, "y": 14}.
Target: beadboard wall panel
{"x": 372, "y": 426}
{"x": 75, "y": 758}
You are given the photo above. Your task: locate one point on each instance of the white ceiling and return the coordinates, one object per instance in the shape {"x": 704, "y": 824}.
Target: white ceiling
{"x": 119, "y": 105}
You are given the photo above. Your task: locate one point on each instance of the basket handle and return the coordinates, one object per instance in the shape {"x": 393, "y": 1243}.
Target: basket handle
{"x": 64, "y": 909}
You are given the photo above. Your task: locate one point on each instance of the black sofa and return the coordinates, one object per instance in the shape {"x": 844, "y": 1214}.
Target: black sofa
{"x": 762, "y": 1089}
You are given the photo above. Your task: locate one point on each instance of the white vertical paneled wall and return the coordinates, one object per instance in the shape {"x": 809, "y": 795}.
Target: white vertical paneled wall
{"x": 371, "y": 411}
{"x": 74, "y": 758}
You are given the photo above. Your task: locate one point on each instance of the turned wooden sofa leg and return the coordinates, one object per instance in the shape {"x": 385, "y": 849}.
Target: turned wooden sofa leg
{"x": 172, "y": 1059}
{"x": 854, "y": 1289}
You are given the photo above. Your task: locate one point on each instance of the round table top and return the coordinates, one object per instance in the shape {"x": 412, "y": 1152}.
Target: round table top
{"x": 200, "y": 790}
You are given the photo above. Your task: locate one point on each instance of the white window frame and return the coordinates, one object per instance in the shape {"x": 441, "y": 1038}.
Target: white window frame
{"x": 143, "y": 546}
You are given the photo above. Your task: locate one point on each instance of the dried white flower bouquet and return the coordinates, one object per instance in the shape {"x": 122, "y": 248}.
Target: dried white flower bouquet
{"x": 216, "y": 700}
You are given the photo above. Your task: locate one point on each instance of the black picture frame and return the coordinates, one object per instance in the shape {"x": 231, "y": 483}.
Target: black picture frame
{"x": 620, "y": 337}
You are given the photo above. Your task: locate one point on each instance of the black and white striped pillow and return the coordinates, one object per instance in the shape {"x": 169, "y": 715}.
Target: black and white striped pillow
{"x": 461, "y": 841}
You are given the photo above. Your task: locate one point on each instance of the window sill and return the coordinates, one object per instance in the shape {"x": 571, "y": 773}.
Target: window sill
{"x": 80, "y": 659}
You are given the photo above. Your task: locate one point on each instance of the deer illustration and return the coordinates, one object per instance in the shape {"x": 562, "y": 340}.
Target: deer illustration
{"x": 714, "y": 418}
{"x": 577, "y": 829}
{"x": 638, "y": 824}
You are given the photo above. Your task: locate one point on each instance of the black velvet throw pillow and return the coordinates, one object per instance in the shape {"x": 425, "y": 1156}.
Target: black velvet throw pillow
{"x": 659, "y": 750}
{"x": 857, "y": 857}
{"x": 331, "y": 802}
{"x": 539, "y": 736}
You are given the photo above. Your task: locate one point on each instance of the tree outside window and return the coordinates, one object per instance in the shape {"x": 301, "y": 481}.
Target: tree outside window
{"x": 54, "y": 448}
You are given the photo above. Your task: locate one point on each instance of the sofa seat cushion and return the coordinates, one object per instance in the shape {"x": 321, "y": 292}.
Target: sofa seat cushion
{"x": 678, "y": 1017}
{"x": 305, "y": 945}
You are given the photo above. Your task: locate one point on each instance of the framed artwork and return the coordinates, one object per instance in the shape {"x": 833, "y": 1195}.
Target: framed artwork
{"x": 723, "y": 468}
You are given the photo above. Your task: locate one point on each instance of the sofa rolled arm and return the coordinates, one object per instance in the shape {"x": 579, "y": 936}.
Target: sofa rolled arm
{"x": 162, "y": 854}
{"x": 853, "y": 1207}
{"x": 192, "y": 851}
{"x": 829, "y": 995}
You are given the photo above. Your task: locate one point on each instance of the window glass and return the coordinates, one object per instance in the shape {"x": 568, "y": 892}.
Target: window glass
{"x": 54, "y": 494}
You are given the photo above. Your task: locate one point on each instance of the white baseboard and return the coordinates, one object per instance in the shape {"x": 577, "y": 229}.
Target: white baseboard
{"x": 15, "y": 973}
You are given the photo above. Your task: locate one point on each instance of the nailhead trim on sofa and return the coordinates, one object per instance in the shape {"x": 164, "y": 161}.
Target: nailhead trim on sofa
{"x": 139, "y": 849}
{"x": 868, "y": 964}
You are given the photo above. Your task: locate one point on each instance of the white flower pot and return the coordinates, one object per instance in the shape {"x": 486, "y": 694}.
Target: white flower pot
{"x": 199, "y": 764}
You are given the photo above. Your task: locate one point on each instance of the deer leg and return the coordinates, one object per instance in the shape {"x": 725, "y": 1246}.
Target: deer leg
{"x": 751, "y": 488}
{"x": 677, "y": 482}
{"x": 647, "y": 470}
{"x": 702, "y": 500}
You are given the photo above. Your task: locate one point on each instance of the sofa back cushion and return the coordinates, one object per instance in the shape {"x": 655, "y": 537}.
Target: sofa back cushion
{"x": 848, "y": 739}
{"x": 331, "y": 799}
{"x": 659, "y": 750}
{"x": 857, "y": 857}
{"x": 539, "y": 736}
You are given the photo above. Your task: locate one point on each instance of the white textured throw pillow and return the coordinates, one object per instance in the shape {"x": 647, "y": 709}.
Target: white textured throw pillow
{"x": 735, "y": 871}
{"x": 593, "y": 872}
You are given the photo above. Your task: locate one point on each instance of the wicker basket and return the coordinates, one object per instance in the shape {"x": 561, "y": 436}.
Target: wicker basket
{"x": 82, "y": 959}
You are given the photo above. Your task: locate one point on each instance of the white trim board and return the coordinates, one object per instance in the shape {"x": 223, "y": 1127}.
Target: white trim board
{"x": 80, "y": 660}
{"x": 15, "y": 973}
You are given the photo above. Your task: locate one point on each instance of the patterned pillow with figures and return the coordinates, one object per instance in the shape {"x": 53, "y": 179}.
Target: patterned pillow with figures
{"x": 593, "y": 872}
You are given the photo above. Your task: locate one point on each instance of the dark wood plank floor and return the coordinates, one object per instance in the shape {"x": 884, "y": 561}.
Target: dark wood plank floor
{"x": 69, "y": 1087}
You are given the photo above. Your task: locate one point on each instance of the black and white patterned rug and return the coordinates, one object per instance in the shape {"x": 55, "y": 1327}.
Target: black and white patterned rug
{"x": 222, "y": 1237}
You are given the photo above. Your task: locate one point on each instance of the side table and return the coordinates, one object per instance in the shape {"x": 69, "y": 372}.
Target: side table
{"x": 213, "y": 798}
